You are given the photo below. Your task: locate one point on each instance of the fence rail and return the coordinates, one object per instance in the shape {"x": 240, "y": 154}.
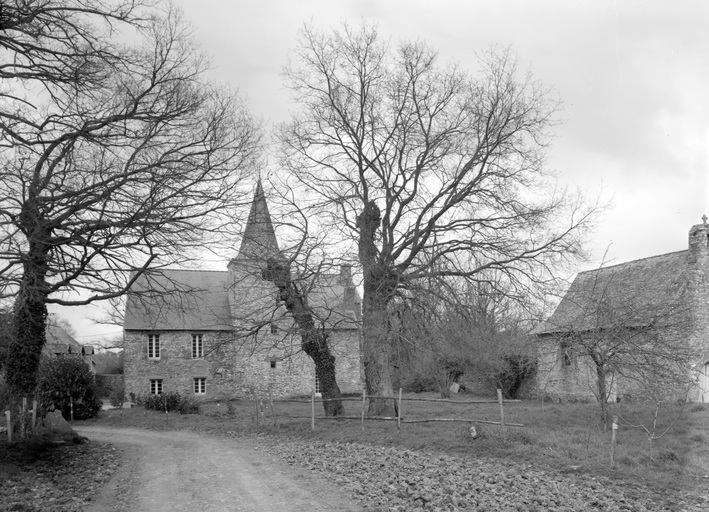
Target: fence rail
{"x": 261, "y": 410}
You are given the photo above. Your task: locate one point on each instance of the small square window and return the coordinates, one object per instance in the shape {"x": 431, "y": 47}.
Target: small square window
{"x": 197, "y": 346}
{"x": 200, "y": 385}
{"x": 274, "y": 328}
{"x": 153, "y": 346}
{"x": 273, "y": 363}
{"x": 156, "y": 386}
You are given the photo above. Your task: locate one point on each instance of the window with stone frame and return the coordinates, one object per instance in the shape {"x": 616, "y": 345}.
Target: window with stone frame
{"x": 200, "y": 385}
{"x": 197, "y": 346}
{"x": 567, "y": 355}
{"x": 153, "y": 346}
{"x": 156, "y": 386}
{"x": 274, "y": 328}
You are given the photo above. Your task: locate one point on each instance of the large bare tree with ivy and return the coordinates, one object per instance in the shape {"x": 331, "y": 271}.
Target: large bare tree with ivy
{"x": 431, "y": 171}
{"x": 115, "y": 158}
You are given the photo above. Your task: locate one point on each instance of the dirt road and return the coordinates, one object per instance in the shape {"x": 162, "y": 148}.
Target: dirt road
{"x": 185, "y": 471}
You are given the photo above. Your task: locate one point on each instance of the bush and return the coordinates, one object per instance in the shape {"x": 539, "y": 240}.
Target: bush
{"x": 118, "y": 395}
{"x": 170, "y": 402}
{"x": 60, "y": 379}
{"x": 515, "y": 369}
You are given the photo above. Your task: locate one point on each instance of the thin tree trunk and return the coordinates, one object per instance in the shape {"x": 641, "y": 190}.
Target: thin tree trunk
{"x": 602, "y": 393}
{"x": 312, "y": 340}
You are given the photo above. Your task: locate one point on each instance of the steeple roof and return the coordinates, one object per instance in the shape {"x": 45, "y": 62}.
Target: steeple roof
{"x": 259, "y": 241}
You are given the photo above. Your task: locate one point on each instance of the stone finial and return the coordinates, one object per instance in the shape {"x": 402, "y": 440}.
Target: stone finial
{"x": 704, "y": 218}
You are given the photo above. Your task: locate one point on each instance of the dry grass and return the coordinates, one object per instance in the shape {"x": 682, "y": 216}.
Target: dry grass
{"x": 566, "y": 437}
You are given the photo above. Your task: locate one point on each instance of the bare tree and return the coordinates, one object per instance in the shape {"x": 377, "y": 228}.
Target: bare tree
{"x": 407, "y": 158}
{"x": 626, "y": 323}
{"x": 115, "y": 158}
{"x": 455, "y": 328}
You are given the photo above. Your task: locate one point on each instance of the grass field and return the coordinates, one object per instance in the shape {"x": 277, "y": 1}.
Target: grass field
{"x": 567, "y": 437}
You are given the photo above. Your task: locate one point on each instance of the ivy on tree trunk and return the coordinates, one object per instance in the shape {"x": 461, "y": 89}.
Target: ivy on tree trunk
{"x": 313, "y": 340}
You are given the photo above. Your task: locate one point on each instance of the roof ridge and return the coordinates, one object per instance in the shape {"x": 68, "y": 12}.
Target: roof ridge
{"x": 185, "y": 270}
{"x": 630, "y": 262}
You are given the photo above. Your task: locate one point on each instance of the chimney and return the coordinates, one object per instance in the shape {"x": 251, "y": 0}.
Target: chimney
{"x": 345, "y": 274}
{"x": 699, "y": 241}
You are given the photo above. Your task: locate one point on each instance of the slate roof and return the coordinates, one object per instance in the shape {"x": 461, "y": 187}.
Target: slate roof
{"x": 179, "y": 300}
{"x": 259, "y": 241}
{"x": 198, "y": 300}
{"x": 61, "y": 342}
{"x": 638, "y": 293}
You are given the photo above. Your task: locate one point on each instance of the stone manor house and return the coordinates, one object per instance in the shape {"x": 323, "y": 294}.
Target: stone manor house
{"x": 226, "y": 334}
{"x": 661, "y": 299}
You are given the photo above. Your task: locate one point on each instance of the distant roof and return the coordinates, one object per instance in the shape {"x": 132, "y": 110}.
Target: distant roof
{"x": 634, "y": 294}
{"x": 57, "y": 335}
{"x": 179, "y": 300}
{"x": 335, "y": 301}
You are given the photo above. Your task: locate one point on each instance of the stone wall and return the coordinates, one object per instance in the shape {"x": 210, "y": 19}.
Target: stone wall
{"x": 237, "y": 368}
{"x": 698, "y": 263}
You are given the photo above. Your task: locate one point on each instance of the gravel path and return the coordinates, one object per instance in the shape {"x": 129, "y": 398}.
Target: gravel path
{"x": 172, "y": 471}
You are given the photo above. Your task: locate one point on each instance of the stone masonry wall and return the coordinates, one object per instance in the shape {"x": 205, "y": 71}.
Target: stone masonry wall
{"x": 236, "y": 369}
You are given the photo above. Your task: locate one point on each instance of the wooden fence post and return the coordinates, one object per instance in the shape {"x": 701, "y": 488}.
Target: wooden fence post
{"x": 256, "y": 409}
{"x": 398, "y": 413}
{"x": 8, "y": 417}
{"x": 23, "y": 411}
{"x": 614, "y": 429}
{"x": 364, "y": 399}
{"x": 312, "y": 410}
{"x": 34, "y": 415}
{"x": 273, "y": 410}
{"x": 502, "y": 412}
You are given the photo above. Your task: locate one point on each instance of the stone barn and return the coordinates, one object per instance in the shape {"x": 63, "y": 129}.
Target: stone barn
{"x": 656, "y": 307}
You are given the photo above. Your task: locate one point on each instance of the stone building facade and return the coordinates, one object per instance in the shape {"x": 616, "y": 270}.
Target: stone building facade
{"x": 218, "y": 335}
{"x": 648, "y": 303}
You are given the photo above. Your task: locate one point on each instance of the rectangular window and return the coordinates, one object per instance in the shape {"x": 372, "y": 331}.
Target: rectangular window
{"x": 156, "y": 386}
{"x": 273, "y": 363}
{"x": 566, "y": 353}
{"x": 153, "y": 346}
{"x": 197, "y": 346}
{"x": 200, "y": 385}
{"x": 274, "y": 328}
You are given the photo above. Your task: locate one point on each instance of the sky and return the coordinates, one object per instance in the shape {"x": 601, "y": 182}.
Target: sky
{"x": 632, "y": 76}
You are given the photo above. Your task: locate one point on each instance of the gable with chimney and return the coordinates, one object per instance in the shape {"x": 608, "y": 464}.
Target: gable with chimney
{"x": 225, "y": 334}
{"x": 658, "y": 300}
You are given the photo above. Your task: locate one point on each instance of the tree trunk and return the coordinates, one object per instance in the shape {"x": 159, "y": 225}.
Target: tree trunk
{"x": 376, "y": 349}
{"x": 378, "y": 287}
{"x": 602, "y": 393}
{"x": 314, "y": 344}
{"x": 312, "y": 340}
{"x": 29, "y": 323}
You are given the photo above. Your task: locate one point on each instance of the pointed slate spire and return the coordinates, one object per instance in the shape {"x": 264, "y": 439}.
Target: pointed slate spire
{"x": 259, "y": 242}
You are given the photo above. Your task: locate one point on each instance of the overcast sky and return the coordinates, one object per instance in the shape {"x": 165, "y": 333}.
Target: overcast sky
{"x": 633, "y": 77}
